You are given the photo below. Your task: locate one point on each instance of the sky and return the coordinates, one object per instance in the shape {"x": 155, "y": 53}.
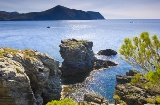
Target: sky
{"x": 110, "y": 9}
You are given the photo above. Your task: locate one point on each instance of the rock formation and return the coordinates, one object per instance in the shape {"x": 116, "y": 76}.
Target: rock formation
{"x": 79, "y": 57}
{"x": 94, "y": 99}
{"x": 28, "y": 77}
{"x": 133, "y": 94}
{"x": 107, "y": 52}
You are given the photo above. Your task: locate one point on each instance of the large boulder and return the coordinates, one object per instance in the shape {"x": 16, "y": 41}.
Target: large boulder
{"x": 99, "y": 63}
{"x": 37, "y": 71}
{"x": 14, "y": 84}
{"x": 107, "y": 52}
{"x": 95, "y": 99}
{"x": 79, "y": 57}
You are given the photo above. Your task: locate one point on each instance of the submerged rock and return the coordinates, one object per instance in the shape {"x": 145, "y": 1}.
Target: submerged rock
{"x": 30, "y": 74}
{"x": 107, "y": 52}
{"x": 79, "y": 57}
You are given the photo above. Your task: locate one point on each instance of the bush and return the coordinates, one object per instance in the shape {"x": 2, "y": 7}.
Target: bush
{"x": 66, "y": 101}
{"x": 136, "y": 78}
{"x": 158, "y": 99}
{"x": 19, "y": 70}
{"x": 116, "y": 97}
{"x": 144, "y": 52}
{"x": 150, "y": 100}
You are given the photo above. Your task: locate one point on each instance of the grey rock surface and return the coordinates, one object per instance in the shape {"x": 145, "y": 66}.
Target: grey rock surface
{"x": 30, "y": 74}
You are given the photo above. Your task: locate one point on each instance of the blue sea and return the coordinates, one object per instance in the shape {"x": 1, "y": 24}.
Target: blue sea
{"x": 105, "y": 34}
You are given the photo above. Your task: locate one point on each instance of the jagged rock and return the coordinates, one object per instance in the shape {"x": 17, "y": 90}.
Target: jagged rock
{"x": 123, "y": 79}
{"x": 132, "y": 94}
{"x": 79, "y": 57}
{"x": 95, "y": 99}
{"x": 41, "y": 73}
{"x": 126, "y": 79}
{"x": 131, "y": 72}
{"x": 98, "y": 63}
{"x": 14, "y": 84}
{"x": 107, "y": 52}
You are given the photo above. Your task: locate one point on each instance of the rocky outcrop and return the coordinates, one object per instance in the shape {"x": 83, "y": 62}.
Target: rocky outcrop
{"x": 95, "y": 99}
{"x": 133, "y": 94}
{"x": 79, "y": 57}
{"x": 126, "y": 79}
{"x": 107, "y": 52}
{"x": 56, "y": 13}
{"x": 99, "y": 63}
{"x": 14, "y": 84}
{"x": 30, "y": 74}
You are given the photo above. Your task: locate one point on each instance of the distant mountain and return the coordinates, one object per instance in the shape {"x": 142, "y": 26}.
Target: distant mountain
{"x": 55, "y": 13}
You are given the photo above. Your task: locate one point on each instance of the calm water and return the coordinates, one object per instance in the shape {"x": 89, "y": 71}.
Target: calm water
{"x": 103, "y": 33}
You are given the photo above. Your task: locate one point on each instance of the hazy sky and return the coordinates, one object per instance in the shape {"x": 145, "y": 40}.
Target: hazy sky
{"x": 110, "y": 9}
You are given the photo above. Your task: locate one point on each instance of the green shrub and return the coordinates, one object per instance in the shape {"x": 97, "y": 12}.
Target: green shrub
{"x": 4, "y": 51}
{"x": 19, "y": 70}
{"x": 66, "y": 101}
{"x": 136, "y": 78}
{"x": 150, "y": 100}
{"x": 116, "y": 97}
{"x": 158, "y": 99}
{"x": 28, "y": 53}
{"x": 144, "y": 52}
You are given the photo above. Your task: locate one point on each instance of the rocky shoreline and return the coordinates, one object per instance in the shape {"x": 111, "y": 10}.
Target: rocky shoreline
{"x": 132, "y": 93}
{"x": 37, "y": 76}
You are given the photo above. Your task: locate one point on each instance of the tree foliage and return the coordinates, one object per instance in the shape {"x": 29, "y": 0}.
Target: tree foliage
{"x": 65, "y": 101}
{"x": 144, "y": 52}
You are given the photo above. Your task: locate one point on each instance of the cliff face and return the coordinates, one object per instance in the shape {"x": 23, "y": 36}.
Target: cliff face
{"x": 56, "y": 13}
{"x": 14, "y": 84}
{"x": 79, "y": 57}
{"x": 30, "y": 74}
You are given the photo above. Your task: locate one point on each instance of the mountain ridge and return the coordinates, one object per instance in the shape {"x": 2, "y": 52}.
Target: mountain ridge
{"x": 56, "y": 13}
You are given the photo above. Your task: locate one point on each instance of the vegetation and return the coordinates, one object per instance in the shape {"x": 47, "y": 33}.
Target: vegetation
{"x": 26, "y": 53}
{"x": 75, "y": 43}
{"x": 66, "y": 101}
{"x": 116, "y": 99}
{"x": 158, "y": 99}
{"x": 4, "y": 51}
{"x": 136, "y": 78}
{"x": 150, "y": 100}
{"x": 144, "y": 52}
{"x": 19, "y": 70}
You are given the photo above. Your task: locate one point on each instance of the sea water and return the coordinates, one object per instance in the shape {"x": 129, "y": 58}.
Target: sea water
{"x": 104, "y": 34}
